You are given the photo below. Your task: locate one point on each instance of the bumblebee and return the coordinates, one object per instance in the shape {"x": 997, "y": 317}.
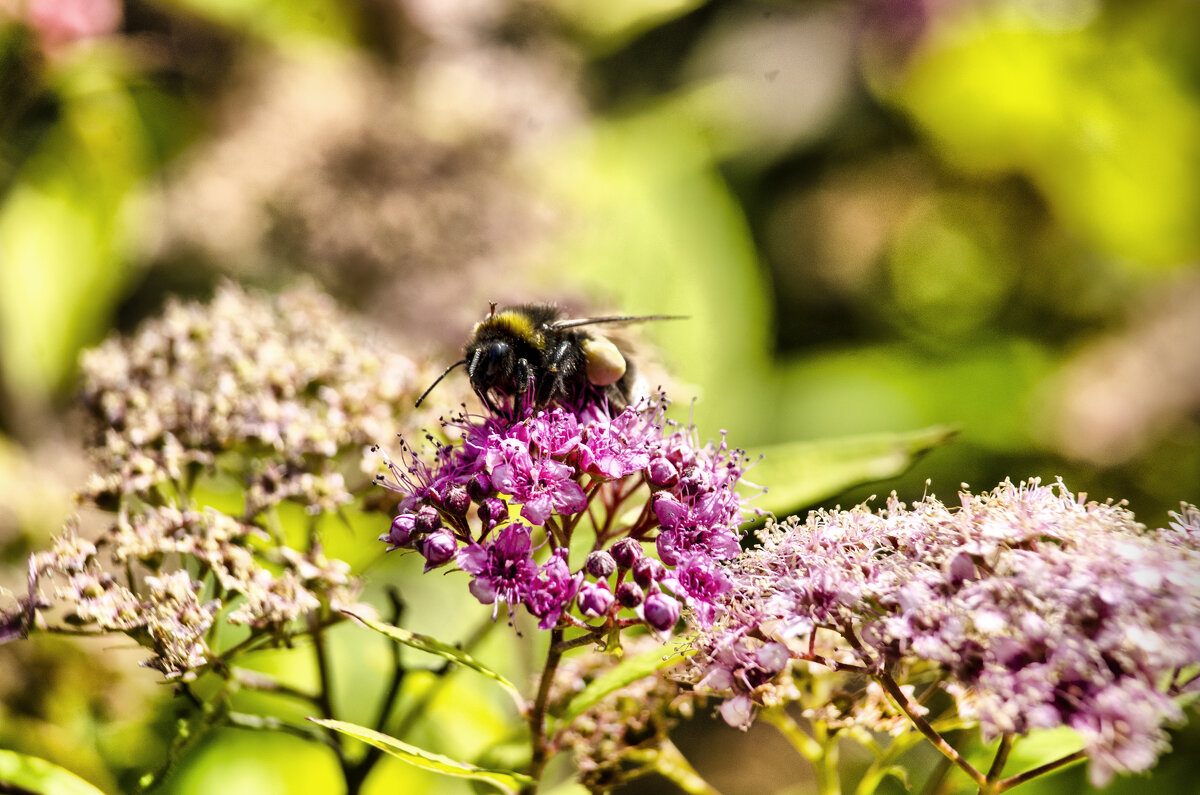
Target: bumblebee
{"x": 532, "y": 355}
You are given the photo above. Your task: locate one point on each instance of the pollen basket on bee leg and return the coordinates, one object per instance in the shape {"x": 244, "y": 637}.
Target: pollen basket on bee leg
{"x": 605, "y": 364}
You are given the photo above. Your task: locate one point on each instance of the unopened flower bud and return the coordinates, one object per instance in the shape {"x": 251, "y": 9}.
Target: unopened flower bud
{"x": 630, "y": 594}
{"x": 625, "y": 552}
{"x": 594, "y": 599}
{"x": 600, "y": 564}
{"x": 428, "y": 519}
{"x": 661, "y": 611}
{"x": 491, "y": 512}
{"x": 479, "y": 487}
{"x": 401, "y": 532}
{"x": 662, "y": 473}
{"x": 457, "y": 500}
{"x": 647, "y": 570}
{"x": 437, "y": 548}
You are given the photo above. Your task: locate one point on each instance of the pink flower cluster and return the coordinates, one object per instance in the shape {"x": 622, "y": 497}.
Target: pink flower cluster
{"x": 1037, "y": 610}
{"x": 507, "y": 500}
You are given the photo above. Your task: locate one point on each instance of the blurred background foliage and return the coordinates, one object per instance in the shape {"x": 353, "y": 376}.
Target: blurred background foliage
{"x": 879, "y": 215}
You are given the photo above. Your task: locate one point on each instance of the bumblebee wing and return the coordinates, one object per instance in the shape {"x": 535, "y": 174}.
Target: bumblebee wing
{"x": 604, "y": 362}
{"x": 592, "y": 321}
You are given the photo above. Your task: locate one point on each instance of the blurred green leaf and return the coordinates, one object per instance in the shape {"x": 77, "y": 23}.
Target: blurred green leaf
{"x": 295, "y": 21}
{"x": 433, "y": 646}
{"x": 613, "y": 24}
{"x": 797, "y": 474}
{"x": 39, "y": 776}
{"x": 262, "y": 762}
{"x": 658, "y": 231}
{"x": 1091, "y": 116}
{"x": 63, "y": 228}
{"x": 989, "y": 388}
{"x": 626, "y": 672}
{"x": 506, "y": 780}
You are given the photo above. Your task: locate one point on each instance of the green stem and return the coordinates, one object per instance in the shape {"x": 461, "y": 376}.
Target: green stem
{"x": 829, "y": 781}
{"x": 946, "y": 749}
{"x": 187, "y": 734}
{"x": 244, "y": 720}
{"x": 540, "y": 754}
{"x": 820, "y": 749}
{"x": 357, "y": 774}
{"x": 993, "y": 774}
{"x": 902, "y": 702}
{"x": 806, "y": 746}
{"x": 1040, "y": 770}
{"x": 670, "y": 763}
{"x": 324, "y": 696}
{"x": 261, "y": 683}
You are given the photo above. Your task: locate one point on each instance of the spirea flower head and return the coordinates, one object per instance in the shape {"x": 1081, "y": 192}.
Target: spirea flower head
{"x": 277, "y": 392}
{"x": 286, "y": 382}
{"x": 636, "y": 481}
{"x": 1039, "y": 609}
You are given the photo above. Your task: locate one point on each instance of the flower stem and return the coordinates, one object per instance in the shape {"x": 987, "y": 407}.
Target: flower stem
{"x": 1021, "y": 778}
{"x": 357, "y": 773}
{"x": 806, "y": 746}
{"x": 893, "y": 689}
{"x": 671, "y": 764}
{"x": 829, "y": 781}
{"x": 1006, "y": 744}
{"x": 902, "y": 702}
{"x": 821, "y": 751}
{"x": 540, "y": 754}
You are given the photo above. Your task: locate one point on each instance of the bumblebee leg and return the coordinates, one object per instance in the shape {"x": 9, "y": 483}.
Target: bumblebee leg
{"x": 560, "y": 367}
{"x": 523, "y": 376}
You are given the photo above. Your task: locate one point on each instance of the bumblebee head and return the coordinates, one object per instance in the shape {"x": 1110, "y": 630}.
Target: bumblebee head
{"x": 490, "y": 362}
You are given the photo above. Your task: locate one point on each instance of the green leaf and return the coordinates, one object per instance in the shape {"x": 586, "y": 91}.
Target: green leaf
{"x": 874, "y": 778}
{"x": 39, "y": 776}
{"x": 292, "y": 24}
{"x": 434, "y": 646}
{"x": 64, "y": 229}
{"x": 803, "y": 473}
{"x": 613, "y": 24}
{"x": 507, "y": 780}
{"x": 626, "y": 672}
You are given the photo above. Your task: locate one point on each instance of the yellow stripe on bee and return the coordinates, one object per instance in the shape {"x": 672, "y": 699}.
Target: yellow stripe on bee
{"x": 516, "y": 324}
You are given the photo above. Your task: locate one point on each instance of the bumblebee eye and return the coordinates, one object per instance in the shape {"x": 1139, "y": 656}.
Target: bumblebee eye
{"x": 489, "y": 361}
{"x": 605, "y": 364}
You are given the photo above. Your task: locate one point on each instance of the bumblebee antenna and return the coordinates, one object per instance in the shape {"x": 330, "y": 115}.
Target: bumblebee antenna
{"x": 445, "y": 373}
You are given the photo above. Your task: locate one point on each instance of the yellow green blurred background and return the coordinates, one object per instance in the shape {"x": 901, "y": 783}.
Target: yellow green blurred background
{"x": 879, "y": 215}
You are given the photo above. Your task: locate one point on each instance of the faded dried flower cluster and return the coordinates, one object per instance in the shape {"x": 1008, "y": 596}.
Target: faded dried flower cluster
{"x": 279, "y": 394}
{"x": 1038, "y": 609}
{"x": 274, "y": 392}
{"x": 621, "y": 736}
{"x": 509, "y": 492}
